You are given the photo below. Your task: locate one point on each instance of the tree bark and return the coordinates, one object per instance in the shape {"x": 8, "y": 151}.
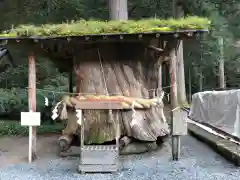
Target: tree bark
{"x": 118, "y": 9}
{"x": 173, "y": 80}
{"x": 117, "y": 75}
{"x": 182, "y": 98}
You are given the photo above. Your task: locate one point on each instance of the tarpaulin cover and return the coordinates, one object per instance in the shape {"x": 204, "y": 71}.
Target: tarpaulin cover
{"x": 217, "y": 108}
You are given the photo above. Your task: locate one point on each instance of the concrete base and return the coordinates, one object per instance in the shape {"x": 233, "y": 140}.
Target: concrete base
{"x": 226, "y": 148}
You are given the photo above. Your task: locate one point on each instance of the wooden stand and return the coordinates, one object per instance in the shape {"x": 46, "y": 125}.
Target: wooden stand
{"x": 32, "y": 106}
{"x": 99, "y": 158}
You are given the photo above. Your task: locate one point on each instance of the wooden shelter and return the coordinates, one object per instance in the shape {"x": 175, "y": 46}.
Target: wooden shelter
{"x": 111, "y": 62}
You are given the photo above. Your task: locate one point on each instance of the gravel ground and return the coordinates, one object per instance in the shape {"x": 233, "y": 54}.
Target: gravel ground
{"x": 197, "y": 162}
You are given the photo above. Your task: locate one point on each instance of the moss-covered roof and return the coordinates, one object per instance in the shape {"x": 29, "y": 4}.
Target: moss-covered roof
{"x": 92, "y": 27}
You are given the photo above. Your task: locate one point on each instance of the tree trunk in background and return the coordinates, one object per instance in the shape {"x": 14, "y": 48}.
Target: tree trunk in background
{"x": 49, "y": 7}
{"x": 182, "y": 98}
{"x": 118, "y": 9}
{"x": 221, "y": 65}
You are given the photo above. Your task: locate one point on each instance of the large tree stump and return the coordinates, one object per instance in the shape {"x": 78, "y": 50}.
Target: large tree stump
{"x": 119, "y": 69}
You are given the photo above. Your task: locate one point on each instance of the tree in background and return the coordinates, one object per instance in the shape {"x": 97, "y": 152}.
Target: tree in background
{"x": 118, "y": 9}
{"x": 182, "y": 98}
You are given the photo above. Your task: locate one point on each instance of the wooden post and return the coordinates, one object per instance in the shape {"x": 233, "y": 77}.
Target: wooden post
{"x": 32, "y": 105}
{"x": 173, "y": 79}
{"x": 174, "y": 104}
{"x": 160, "y": 76}
{"x": 221, "y": 65}
{"x": 180, "y": 65}
{"x": 199, "y": 69}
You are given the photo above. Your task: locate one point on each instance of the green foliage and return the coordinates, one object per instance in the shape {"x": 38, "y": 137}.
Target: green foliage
{"x": 14, "y": 128}
{"x": 15, "y": 100}
{"x": 14, "y": 83}
{"x": 9, "y": 101}
{"x": 83, "y": 27}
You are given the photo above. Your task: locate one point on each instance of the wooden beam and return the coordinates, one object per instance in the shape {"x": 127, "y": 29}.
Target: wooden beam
{"x": 32, "y": 100}
{"x": 222, "y": 83}
{"x": 155, "y": 48}
{"x": 174, "y": 68}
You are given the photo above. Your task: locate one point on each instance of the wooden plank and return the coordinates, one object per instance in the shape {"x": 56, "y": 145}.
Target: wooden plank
{"x": 98, "y": 105}
{"x": 179, "y": 123}
{"x": 32, "y": 103}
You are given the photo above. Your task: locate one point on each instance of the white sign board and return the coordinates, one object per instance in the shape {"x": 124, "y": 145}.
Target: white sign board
{"x": 30, "y": 118}
{"x": 179, "y": 123}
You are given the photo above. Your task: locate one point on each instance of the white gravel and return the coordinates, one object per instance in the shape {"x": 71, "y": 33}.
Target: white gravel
{"x": 197, "y": 162}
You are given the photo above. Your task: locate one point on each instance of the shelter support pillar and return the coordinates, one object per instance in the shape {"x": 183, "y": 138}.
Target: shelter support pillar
{"x": 32, "y": 99}
{"x": 179, "y": 13}
{"x": 174, "y": 103}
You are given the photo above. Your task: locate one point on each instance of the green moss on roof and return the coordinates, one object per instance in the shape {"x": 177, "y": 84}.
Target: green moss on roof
{"x": 83, "y": 27}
